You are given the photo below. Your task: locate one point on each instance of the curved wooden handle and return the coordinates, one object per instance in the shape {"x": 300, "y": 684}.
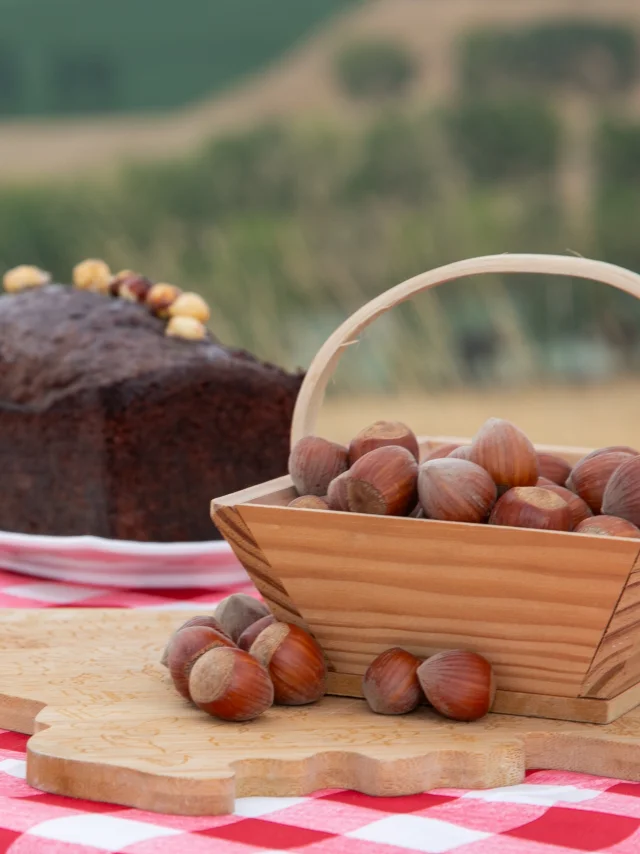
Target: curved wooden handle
{"x": 312, "y": 391}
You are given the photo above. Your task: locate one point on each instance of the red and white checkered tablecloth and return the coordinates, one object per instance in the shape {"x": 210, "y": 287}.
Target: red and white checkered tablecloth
{"x": 550, "y": 813}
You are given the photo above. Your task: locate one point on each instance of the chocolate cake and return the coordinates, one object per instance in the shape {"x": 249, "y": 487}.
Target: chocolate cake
{"x": 109, "y": 427}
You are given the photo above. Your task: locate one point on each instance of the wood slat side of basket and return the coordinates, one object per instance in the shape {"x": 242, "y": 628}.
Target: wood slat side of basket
{"x": 555, "y": 613}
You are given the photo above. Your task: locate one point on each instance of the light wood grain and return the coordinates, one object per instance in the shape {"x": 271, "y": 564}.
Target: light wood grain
{"x": 616, "y": 664}
{"x": 536, "y": 603}
{"x": 110, "y": 727}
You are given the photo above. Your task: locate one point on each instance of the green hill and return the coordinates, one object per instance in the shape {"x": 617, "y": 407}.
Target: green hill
{"x": 74, "y": 56}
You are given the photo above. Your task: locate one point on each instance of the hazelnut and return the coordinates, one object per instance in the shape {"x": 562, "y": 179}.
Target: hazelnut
{"x": 310, "y": 502}
{"x": 622, "y": 494}
{"x": 461, "y": 453}
{"x": 608, "y": 526}
{"x": 237, "y": 612}
{"x": 23, "y": 277}
{"x": 204, "y": 620}
{"x": 390, "y": 684}
{"x": 578, "y": 508}
{"x": 246, "y": 639}
{"x": 185, "y": 647}
{"x": 135, "y": 288}
{"x": 532, "y": 507}
{"x": 337, "y": 492}
{"x": 92, "y": 275}
{"x": 506, "y": 453}
{"x": 383, "y": 482}
{"x": 454, "y": 490}
{"x": 295, "y": 663}
{"x": 591, "y": 474}
{"x": 458, "y": 684}
{"x": 553, "y": 468}
{"x": 118, "y": 278}
{"x": 314, "y": 462}
{"x": 625, "y": 449}
{"x": 438, "y": 453}
{"x": 380, "y": 435}
{"x": 190, "y": 305}
{"x": 186, "y": 327}
{"x": 229, "y": 684}
{"x": 160, "y": 297}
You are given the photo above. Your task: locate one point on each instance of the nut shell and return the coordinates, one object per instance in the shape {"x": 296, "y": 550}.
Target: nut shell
{"x": 204, "y": 620}
{"x": 23, "y": 277}
{"x": 93, "y": 274}
{"x": 439, "y": 452}
{"x": 248, "y": 636}
{"x": 461, "y": 453}
{"x": 578, "y": 508}
{"x": 237, "y": 612}
{"x": 295, "y": 662}
{"x": 458, "y": 684}
{"x": 310, "y": 502}
{"x": 390, "y": 684}
{"x": 506, "y": 453}
{"x": 553, "y": 468}
{"x": 591, "y": 474}
{"x": 190, "y": 305}
{"x": 532, "y": 507}
{"x": 134, "y": 288}
{"x": 384, "y": 482}
{"x": 230, "y": 684}
{"x": 381, "y": 434}
{"x": 314, "y": 462}
{"x": 160, "y": 297}
{"x": 454, "y": 490}
{"x": 622, "y": 494}
{"x": 185, "y": 648}
{"x": 337, "y": 492}
{"x": 186, "y": 327}
{"x": 608, "y": 526}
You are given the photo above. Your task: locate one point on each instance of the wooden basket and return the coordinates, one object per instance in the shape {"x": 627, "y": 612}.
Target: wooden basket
{"x": 557, "y": 614}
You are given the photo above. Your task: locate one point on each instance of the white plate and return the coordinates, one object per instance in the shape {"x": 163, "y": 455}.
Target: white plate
{"x": 122, "y": 563}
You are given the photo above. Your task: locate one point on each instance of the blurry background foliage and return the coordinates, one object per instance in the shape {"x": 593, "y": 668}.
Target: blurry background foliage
{"x": 287, "y": 228}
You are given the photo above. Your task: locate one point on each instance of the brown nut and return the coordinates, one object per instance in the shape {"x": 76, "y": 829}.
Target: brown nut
{"x": 295, "y": 663}
{"x": 383, "y": 482}
{"x": 92, "y": 275}
{"x": 314, "y": 462}
{"x": 458, "y": 684}
{"x": 453, "y": 490}
{"x": 390, "y": 684}
{"x": 625, "y": 449}
{"x": 337, "y": 492}
{"x": 204, "y": 620}
{"x": 185, "y": 648}
{"x": 608, "y": 526}
{"x": 24, "y": 277}
{"x": 185, "y": 327}
{"x": 246, "y": 639}
{"x": 578, "y": 508}
{"x": 591, "y": 474}
{"x": 622, "y": 495}
{"x": 118, "y": 278}
{"x": 461, "y": 453}
{"x": 135, "y": 288}
{"x": 190, "y": 305}
{"x": 506, "y": 453}
{"x": 237, "y": 612}
{"x": 553, "y": 468}
{"x": 230, "y": 684}
{"x": 160, "y": 297}
{"x": 532, "y": 507}
{"x": 310, "y": 502}
{"x": 438, "y": 453}
{"x": 380, "y": 435}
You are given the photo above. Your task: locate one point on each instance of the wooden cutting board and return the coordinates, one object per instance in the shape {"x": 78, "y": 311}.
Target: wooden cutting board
{"x": 109, "y": 726}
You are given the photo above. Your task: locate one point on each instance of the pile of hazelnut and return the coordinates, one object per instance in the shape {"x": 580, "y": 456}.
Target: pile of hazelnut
{"x": 235, "y": 664}
{"x": 499, "y": 479}
{"x": 187, "y": 313}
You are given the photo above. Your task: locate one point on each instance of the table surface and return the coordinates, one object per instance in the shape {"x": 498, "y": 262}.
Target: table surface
{"x": 550, "y": 813}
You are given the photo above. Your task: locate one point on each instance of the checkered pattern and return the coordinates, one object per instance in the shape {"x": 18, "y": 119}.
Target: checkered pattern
{"x": 550, "y": 813}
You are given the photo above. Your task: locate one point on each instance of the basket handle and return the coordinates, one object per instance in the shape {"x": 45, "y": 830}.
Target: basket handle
{"x": 312, "y": 390}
